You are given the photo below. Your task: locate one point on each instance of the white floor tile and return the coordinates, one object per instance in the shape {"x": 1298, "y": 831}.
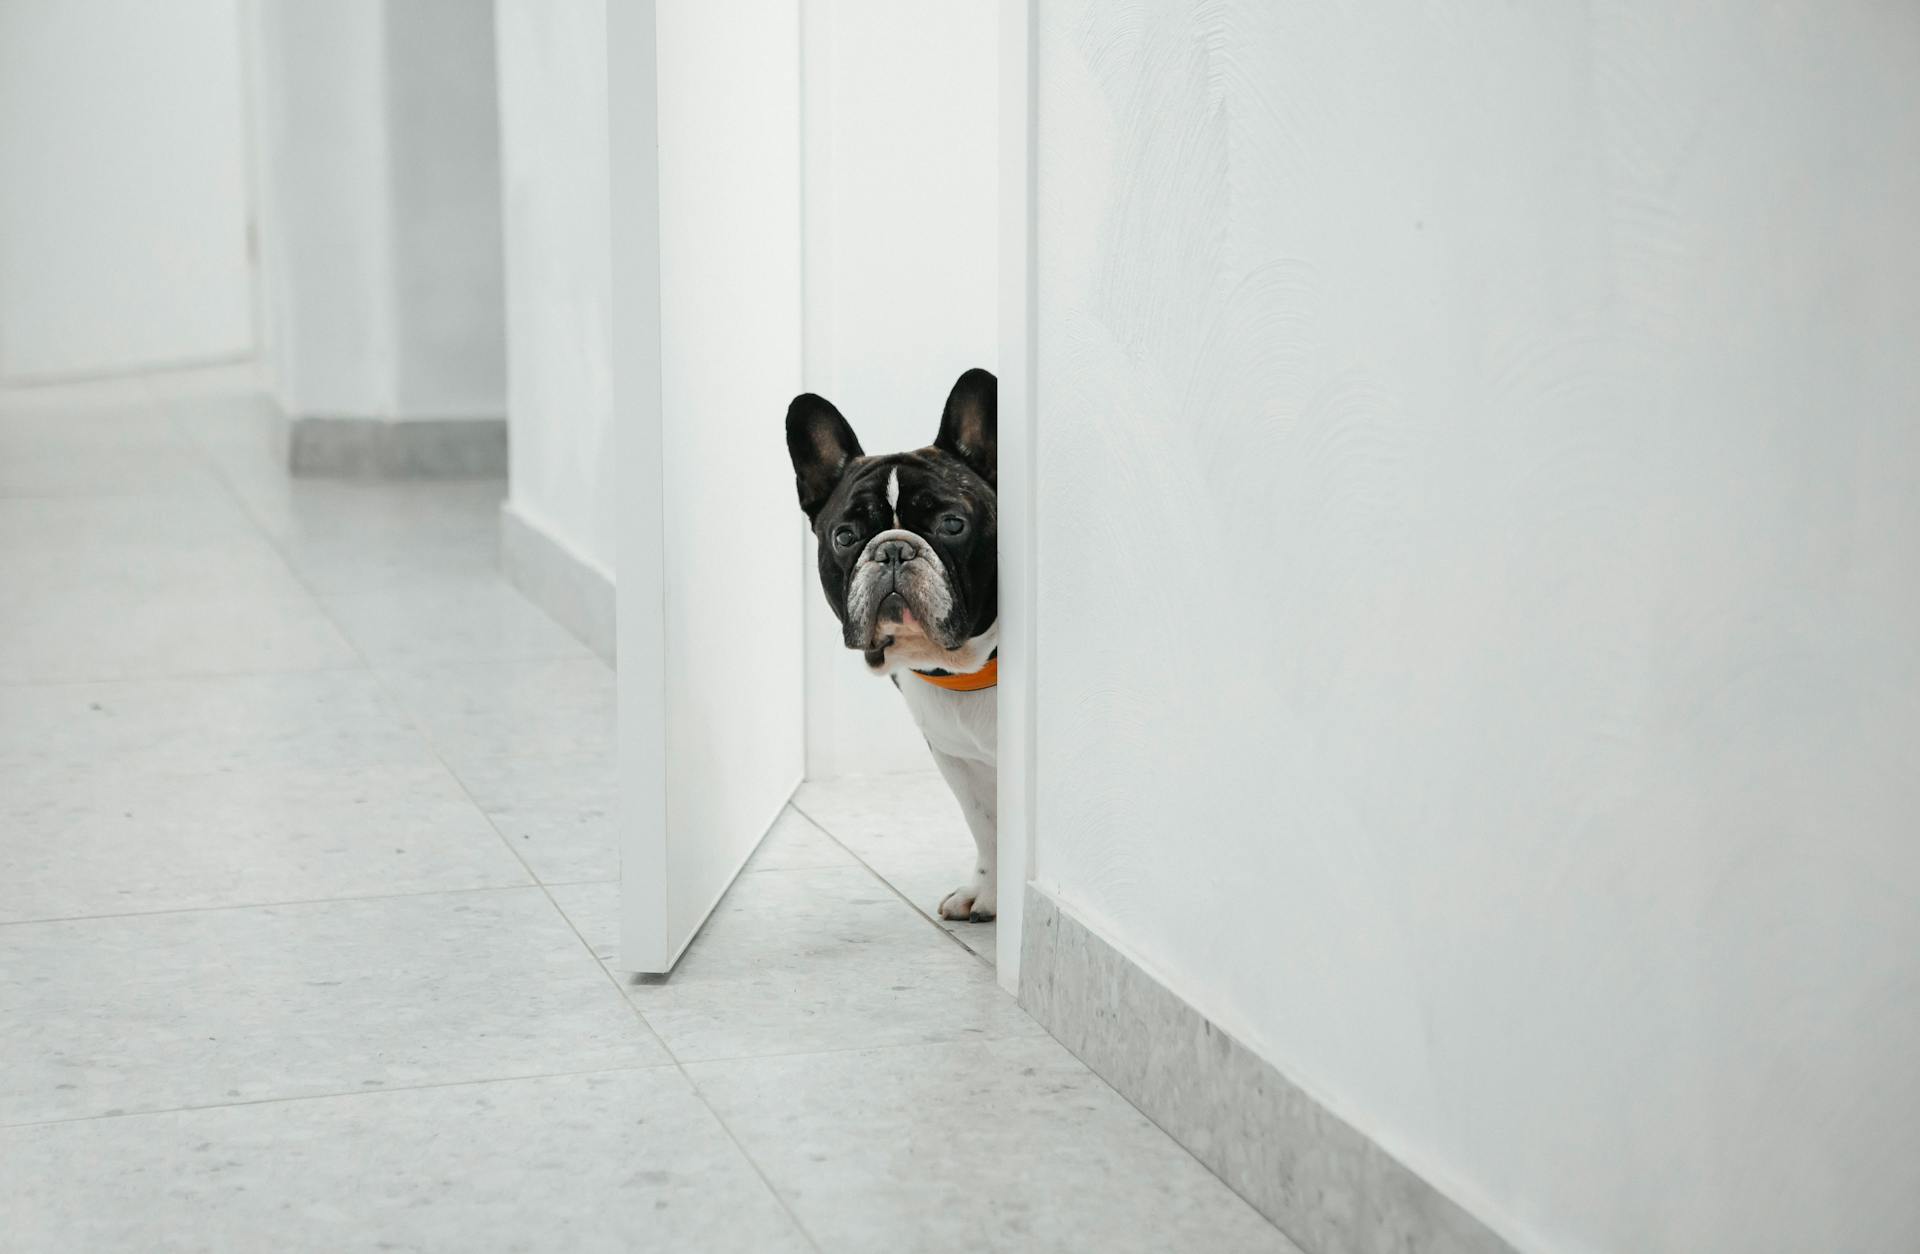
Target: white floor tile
{"x": 908, "y": 817}
{"x": 569, "y": 846}
{"x": 909, "y": 829}
{"x": 166, "y": 794}
{"x": 614, "y": 1162}
{"x": 808, "y": 960}
{"x": 542, "y": 710}
{"x": 1002, "y": 1145}
{"x": 534, "y": 743}
{"x": 117, "y": 390}
{"x": 354, "y": 536}
{"x": 795, "y": 843}
{"x": 154, "y": 1012}
{"x": 36, "y": 534}
{"x": 101, "y": 449}
{"x": 243, "y": 437}
{"x": 464, "y": 620}
{"x": 107, "y": 588}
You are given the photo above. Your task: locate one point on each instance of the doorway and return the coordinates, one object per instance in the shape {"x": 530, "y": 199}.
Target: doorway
{"x": 877, "y": 273}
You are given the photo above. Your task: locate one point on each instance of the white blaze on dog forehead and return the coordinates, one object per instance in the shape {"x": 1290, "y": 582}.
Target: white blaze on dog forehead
{"x": 893, "y": 494}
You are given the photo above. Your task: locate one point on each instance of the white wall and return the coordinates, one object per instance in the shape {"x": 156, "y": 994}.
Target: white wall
{"x": 1479, "y": 641}
{"x": 123, "y": 198}
{"x": 901, "y": 182}
{"x": 444, "y": 148}
{"x": 553, "y": 134}
{"x": 377, "y": 173}
{"x": 320, "y": 159}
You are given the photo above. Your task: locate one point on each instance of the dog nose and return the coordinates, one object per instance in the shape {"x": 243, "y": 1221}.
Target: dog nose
{"x": 894, "y": 552}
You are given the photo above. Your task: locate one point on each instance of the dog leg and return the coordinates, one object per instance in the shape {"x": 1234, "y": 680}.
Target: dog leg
{"x": 974, "y": 785}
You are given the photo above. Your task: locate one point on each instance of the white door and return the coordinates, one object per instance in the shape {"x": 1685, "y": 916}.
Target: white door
{"x": 123, "y": 196}
{"x": 706, "y": 355}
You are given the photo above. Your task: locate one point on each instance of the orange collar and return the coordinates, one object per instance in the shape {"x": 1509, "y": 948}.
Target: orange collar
{"x": 986, "y": 677}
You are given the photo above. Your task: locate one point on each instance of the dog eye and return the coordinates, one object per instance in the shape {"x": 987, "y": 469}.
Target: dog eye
{"x": 845, "y": 536}
{"x": 953, "y": 524}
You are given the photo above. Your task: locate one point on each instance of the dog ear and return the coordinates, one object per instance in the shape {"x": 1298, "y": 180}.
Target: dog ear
{"x": 969, "y": 427}
{"x": 822, "y": 445}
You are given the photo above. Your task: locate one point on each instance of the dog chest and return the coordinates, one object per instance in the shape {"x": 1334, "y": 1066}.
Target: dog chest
{"x": 962, "y": 724}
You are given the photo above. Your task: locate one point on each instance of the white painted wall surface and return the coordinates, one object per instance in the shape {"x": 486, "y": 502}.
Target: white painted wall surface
{"x": 320, "y": 154}
{"x": 377, "y": 174}
{"x": 449, "y": 267}
{"x": 123, "y": 196}
{"x": 1479, "y": 509}
{"x": 901, "y": 103}
{"x": 553, "y": 134}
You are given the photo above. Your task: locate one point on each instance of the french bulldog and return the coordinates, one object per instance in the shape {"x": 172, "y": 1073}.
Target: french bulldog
{"x": 907, "y": 553}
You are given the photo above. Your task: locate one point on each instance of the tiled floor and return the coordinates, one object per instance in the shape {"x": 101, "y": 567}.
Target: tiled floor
{"x": 306, "y": 891}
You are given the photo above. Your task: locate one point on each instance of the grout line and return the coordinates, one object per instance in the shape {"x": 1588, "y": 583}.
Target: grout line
{"x": 275, "y": 905}
{"x": 639, "y": 1015}
{"x": 94, "y": 494}
{"x": 883, "y": 1046}
{"x": 674, "y": 1061}
{"x": 186, "y": 676}
{"x": 133, "y": 374}
{"x": 266, "y": 533}
{"x": 950, "y": 935}
{"x": 453, "y": 666}
{"x": 700, "y": 1095}
{"x": 315, "y": 1097}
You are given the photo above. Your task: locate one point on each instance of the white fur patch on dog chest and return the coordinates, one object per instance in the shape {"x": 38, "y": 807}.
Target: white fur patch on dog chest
{"x": 964, "y": 725}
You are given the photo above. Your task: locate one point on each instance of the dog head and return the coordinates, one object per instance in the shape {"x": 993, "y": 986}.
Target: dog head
{"x": 907, "y": 541}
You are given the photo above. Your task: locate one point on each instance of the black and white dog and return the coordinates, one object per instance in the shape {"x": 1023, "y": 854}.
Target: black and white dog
{"x": 908, "y": 562}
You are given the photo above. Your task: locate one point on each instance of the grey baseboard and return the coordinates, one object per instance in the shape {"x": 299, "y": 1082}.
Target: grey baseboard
{"x": 575, "y": 593}
{"x": 1325, "y": 1184}
{"x": 383, "y": 448}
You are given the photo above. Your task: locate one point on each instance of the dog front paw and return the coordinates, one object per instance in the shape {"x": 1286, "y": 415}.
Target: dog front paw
{"x": 973, "y": 901}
